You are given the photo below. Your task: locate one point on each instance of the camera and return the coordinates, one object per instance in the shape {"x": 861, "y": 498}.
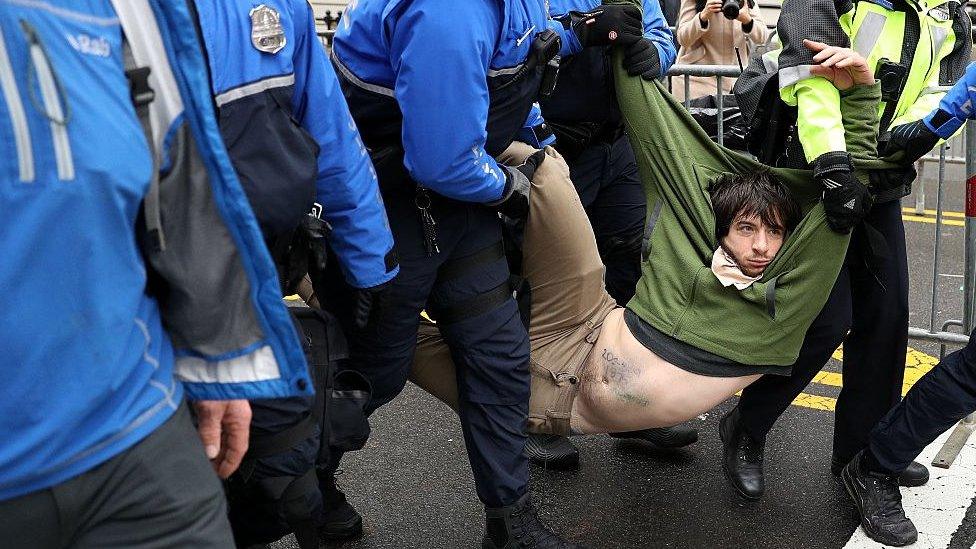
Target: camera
{"x": 730, "y": 8}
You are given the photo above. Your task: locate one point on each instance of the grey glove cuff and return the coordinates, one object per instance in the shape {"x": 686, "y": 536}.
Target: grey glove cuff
{"x": 510, "y": 175}
{"x": 832, "y": 162}
{"x": 514, "y": 202}
{"x": 515, "y": 182}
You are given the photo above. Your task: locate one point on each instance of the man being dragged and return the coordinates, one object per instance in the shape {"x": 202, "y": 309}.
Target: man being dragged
{"x": 597, "y": 367}
{"x": 740, "y": 260}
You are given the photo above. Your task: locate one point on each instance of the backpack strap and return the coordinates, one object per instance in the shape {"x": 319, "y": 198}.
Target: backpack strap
{"x": 142, "y": 96}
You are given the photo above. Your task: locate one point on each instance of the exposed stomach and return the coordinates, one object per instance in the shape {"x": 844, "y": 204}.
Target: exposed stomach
{"x": 626, "y": 387}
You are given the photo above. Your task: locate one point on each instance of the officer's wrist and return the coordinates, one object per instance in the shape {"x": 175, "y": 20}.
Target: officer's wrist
{"x": 507, "y": 189}
{"x": 831, "y": 163}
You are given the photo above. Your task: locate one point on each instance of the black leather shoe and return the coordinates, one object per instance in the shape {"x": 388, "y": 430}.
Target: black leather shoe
{"x": 340, "y": 520}
{"x": 913, "y": 476}
{"x": 552, "y": 452}
{"x": 742, "y": 458}
{"x": 518, "y": 526}
{"x": 878, "y": 502}
{"x": 663, "y": 438}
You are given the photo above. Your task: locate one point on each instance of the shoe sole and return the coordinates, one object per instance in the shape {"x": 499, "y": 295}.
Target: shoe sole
{"x": 901, "y": 482}
{"x": 728, "y": 474}
{"x": 914, "y": 483}
{"x": 655, "y": 445}
{"x": 556, "y": 465}
{"x": 343, "y": 531}
{"x": 847, "y": 481}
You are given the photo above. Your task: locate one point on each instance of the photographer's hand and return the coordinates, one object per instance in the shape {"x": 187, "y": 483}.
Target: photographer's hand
{"x": 711, "y": 7}
{"x": 744, "y": 16}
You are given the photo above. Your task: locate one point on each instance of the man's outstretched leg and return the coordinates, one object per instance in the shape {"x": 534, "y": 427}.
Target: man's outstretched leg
{"x": 938, "y": 400}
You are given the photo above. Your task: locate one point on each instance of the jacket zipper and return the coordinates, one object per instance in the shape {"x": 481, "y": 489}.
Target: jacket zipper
{"x": 51, "y": 97}
{"x": 18, "y": 119}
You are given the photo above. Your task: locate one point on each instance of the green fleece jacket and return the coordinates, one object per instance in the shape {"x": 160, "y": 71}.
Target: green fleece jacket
{"x": 677, "y": 292}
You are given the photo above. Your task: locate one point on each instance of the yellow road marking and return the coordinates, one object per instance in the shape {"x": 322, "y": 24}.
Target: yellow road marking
{"x": 917, "y": 364}
{"x": 911, "y": 211}
{"x": 946, "y": 222}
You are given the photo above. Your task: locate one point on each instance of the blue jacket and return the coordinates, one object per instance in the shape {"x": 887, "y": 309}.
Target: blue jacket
{"x": 88, "y": 368}
{"x": 290, "y": 134}
{"x": 432, "y": 65}
{"x": 584, "y": 91}
{"x": 955, "y": 107}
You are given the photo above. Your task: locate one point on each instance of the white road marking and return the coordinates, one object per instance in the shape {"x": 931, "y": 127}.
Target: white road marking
{"x": 938, "y": 507}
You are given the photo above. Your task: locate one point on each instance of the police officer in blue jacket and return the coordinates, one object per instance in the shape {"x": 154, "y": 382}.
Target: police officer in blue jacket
{"x": 294, "y": 144}
{"x": 107, "y": 143}
{"x": 585, "y": 118}
{"x": 437, "y": 88}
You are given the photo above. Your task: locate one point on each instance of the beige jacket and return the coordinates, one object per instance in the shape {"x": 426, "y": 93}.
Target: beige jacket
{"x": 714, "y": 45}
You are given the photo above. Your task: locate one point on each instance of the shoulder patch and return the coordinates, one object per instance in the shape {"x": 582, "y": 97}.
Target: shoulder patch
{"x": 267, "y": 34}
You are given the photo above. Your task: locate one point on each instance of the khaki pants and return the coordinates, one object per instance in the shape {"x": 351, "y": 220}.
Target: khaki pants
{"x": 569, "y": 301}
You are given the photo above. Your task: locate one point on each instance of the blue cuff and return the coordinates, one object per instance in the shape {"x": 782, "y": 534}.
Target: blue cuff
{"x": 942, "y": 123}
{"x": 538, "y": 136}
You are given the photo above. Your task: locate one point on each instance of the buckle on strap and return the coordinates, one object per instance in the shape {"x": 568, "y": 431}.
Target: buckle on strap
{"x": 139, "y": 89}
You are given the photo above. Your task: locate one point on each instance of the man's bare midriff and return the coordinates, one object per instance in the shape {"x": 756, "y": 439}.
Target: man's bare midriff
{"x": 626, "y": 387}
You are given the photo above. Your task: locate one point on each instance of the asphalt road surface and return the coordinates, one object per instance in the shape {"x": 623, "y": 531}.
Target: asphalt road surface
{"x": 413, "y": 486}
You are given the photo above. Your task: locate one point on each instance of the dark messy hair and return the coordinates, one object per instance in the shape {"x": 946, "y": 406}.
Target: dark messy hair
{"x": 758, "y": 193}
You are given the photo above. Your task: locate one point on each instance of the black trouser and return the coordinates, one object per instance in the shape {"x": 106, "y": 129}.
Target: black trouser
{"x": 935, "y": 403}
{"x": 488, "y": 341}
{"x": 871, "y": 299}
{"x": 606, "y": 178}
{"x": 259, "y": 510}
{"x": 162, "y": 492}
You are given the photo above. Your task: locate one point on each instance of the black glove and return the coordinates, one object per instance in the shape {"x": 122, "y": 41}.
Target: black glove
{"x": 915, "y": 139}
{"x": 641, "y": 59}
{"x": 606, "y": 25}
{"x": 514, "y": 202}
{"x": 366, "y": 303}
{"x": 845, "y": 199}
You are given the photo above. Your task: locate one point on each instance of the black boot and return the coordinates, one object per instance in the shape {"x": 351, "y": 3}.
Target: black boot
{"x": 663, "y": 438}
{"x": 878, "y": 501}
{"x": 339, "y": 519}
{"x": 742, "y": 457}
{"x": 914, "y": 475}
{"x": 552, "y": 452}
{"x": 518, "y": 526}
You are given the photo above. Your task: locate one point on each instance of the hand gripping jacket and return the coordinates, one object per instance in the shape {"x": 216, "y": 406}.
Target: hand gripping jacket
{"x": 914, "y": 46}
{"x": 584, "y": 91}
{"x": 289, "y": 132}
{"x": 438, "y": 78}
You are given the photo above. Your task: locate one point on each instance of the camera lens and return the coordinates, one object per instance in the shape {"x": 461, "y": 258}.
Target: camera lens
{"x": 730, "y": 8}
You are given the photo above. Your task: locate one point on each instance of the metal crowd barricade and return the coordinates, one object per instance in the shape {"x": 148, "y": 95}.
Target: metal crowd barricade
{"x": 719, "y": 72}
{"x": 963, "y": 149}
{"x": 325, "y": 36}
{"x": 330, "y": 23}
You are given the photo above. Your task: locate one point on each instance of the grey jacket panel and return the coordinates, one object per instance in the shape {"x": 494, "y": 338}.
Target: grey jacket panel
{"x": 954, "y": 65}
{"x": 206, "y": 304}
